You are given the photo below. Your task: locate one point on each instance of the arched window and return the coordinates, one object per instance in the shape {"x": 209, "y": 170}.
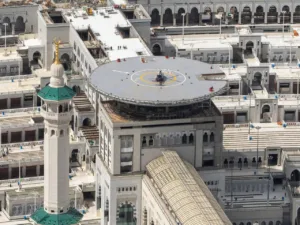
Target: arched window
{"x": 191, "y": 139}
{"x": 145, "y": 217}
{"x": 225, "y": 162}
{"x": 126, "y": 214}
{"x": 263, "y": 223}
{"x": 212, "y": 137}
{"x": 184, "y": 139}
{"x": 144, "y": 142}
{"x": 205, "y": 137}
{"x": 151, "y": 141}
{"x": 278, "y": 222}
{"x": 60, "y": 108}
{"x": 86, "y": 122}
{"x": 249, "y": 223}
{"x": 253, "y": 159}
{"x": 52, "y": 132}
{"x": 271, "y": 223}
{"x": 61, "y": 133}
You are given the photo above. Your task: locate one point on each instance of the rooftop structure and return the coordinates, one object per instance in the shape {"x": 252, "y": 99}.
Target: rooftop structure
{"x": 115, "y": 38}
{"x": 157, "y": 81}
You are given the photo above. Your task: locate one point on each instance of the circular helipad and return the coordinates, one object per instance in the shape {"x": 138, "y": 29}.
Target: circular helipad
{"x": 157, "y": 80}
{"x": 148, "y": 78}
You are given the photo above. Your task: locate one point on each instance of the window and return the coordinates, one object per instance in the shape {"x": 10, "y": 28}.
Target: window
{"x": 151, "y": 141}
{"x": 61, "y": 132}
{"x": 144, "y": 142}
{"x": 184, "y": 139}
{"x": 126, "y": 214}
{"x": 191, "y": 139}
{"x": 205, "y": 138}
{"x": 212, "y": 137}
{"x": 52, "y": 132}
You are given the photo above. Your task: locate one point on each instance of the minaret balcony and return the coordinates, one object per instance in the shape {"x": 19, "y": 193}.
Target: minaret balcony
{"x": 56, "y": 116}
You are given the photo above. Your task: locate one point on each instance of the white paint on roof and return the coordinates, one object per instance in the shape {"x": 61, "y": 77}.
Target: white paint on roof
{"x": 104, "y": 23}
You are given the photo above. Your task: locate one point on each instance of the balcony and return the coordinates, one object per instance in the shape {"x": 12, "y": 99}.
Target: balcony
{"x": 61, "y": 117}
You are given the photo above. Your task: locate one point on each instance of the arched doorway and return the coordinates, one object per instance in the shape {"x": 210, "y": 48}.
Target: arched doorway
{"x": 87, "y": 122}
{"x": 207, "y": 16}
{"x": 20, "y": 25}
{"x": 155, "y": 17}
{"x": 295, "y": 175}
{"x": 126, "y": 214}
{"x": 194, "y": 16}
{"x": 179, "y": 17}
{"x": 7, "y": 21}
{"x": 264, "y": 109}
{"x": 76, "y": 89}
{"x": 272, "y": 14}
{"x": 156, "y": 49}
{"x": 168, "y": 17}
{"x": 259, "y": 15}
{"x": 220, "y": 11}
{"x": 257, "y": 79}
{"x": 286, "y": 15}
{"x": 65, "y": 61}
{"x": 249, "y": 47}
{"x": 234, "y": 19}
{"x": 246, "y": 15}
{"x": 36, "y": 58}
{"x": 74, "y": 156}
{"x": 297, "y": 14}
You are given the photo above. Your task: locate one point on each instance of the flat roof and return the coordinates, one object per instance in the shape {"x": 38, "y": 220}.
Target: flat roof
{"x": 135, "y": 81}
{"x": 103, "y": 23}
{"x": 12, "y": 86}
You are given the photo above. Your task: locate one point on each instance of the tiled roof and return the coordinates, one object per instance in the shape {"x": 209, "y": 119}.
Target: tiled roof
{"x": 56, "y": 94}
{"x": 41, "y": 217}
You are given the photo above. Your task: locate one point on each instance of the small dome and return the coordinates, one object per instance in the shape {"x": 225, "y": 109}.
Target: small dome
{"x": 57, "y": 72}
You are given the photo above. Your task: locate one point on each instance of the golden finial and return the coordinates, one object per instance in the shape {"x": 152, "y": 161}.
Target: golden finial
{"x": 57, "y": 43}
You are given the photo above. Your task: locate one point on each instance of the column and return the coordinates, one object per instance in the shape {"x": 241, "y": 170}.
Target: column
{"x": 252, "y": 18}
{"x": 200, "y": 19}
{"x": 38, "y": 170}
{"x": 23, "y": 171}
{"x": 187, "y": 19}
{"x": 278, "y": 18}
{"x": 240, "y": 17}
{"x": 13, "y": 29}
{"x": 37, "y": 134}
{"x": 226, "y": 18}
{"x": 8, "y": 103}
{"x": 213, "y": 18}
{"x": 174, "y": 19}
{"x": 8, "y": 137}
{"x": 23, "y": 136}
{"x": 292, "y": 17}
{"x": 161, "y": 18}
{"x": 0, "y": 30}
{"x": 9, "y": 172}
{"x": 266, "y": 17}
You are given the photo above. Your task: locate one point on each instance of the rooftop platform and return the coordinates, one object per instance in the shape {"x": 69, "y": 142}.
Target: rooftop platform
{"x": 90, "y": 133}
{"x": 137, "y": 79}
{"x": 110, "y": 28}
{"x": 11, "y": 86}
{"x": 20, "y": 119}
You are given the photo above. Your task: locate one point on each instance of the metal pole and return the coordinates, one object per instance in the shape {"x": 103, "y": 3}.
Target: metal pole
{"x": 183, "y": 15}
{"x": 229, "y": 60}
{"x": 19, "y": 174}
{"x": 75, "y": 203}
{"x": 257, "y": 148}
{"x": 268, "y": 196}
{"x": 220, "y": 26}
{"x": 283, "y": 25}
{"x": 231, "y": 186}
{"x": 249, "y": 119}
{"x": 297, "y": 97}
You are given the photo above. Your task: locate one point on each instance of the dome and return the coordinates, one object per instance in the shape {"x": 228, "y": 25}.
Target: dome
{"x": 57, "y": 72}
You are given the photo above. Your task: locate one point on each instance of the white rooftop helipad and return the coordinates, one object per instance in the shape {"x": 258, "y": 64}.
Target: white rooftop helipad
{"x": 136, "y": 81}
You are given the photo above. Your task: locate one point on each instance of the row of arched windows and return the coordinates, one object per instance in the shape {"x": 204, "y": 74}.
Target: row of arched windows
{"x": 53, "y": 132}
{"x": 241, "y": 161}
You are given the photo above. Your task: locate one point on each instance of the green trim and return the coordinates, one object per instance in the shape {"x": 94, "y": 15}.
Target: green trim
{"x": 40, "y": 216}
{"x": 56, "y": 94}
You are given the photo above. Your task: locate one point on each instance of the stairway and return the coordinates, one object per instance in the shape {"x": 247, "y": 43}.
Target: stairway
{"x": 270, "y": 135}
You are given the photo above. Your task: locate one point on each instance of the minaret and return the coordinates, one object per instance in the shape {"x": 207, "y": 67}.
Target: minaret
{"x": 56, "y": 110}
